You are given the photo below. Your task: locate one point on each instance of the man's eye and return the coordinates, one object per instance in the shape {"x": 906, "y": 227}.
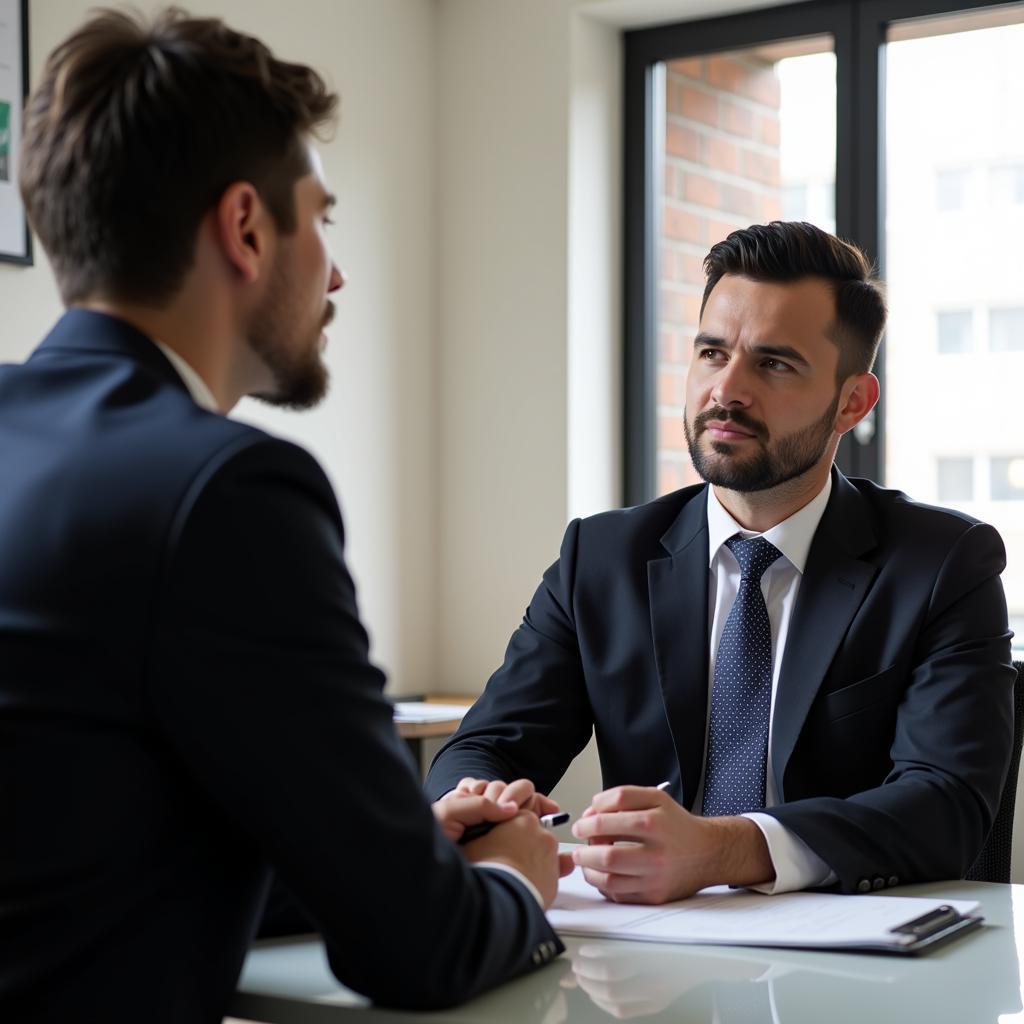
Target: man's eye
{"x": 328, "y": 222}
{"x": 710, "y": 353}
{"x": 777, "y": 365}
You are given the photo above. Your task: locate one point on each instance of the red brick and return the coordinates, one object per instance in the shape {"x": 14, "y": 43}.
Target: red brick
{"x": 718, "y": 229}
{"x": 741, "y": 202}
{"x": 681, "y": 140}
{"x": 671, "y": 388}
{"x": 682, "y": 225}
{"x": 760, "y": 167}
{"x": 738, "y": 120}
{"x": 697, "y": 188}
{"x": 760, "y": 85}
{"x": 771, "y": 207}
{"x": 699, "y": 105}
{"x": 725, "y": 73}
{"x": 670, "y": 476}
{"x": 769, "y": 131}
{"x": 671, "y": 309}
{"x": 670, "y": 433}
{"x": 691, "y": 309}
{"x": 720, "y": 155}
{"x": 671, "y": 345}
{"x": 690, "y": 268}
{"x": 691, "y": 67}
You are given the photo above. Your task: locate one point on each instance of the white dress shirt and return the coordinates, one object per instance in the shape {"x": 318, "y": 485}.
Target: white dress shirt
{"x": 796, "y": 865}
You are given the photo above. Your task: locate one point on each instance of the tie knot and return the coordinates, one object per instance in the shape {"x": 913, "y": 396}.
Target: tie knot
{"x": 754, "y": 555}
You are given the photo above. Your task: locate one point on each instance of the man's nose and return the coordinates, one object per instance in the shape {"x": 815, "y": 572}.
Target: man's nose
{"x": 732, "y": 385}
{"x": 337, "y": 279}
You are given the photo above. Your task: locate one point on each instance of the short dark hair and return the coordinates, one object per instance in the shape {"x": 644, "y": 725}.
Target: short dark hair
{"x": 791, "y": 250}
{"x": 135, "y": 131}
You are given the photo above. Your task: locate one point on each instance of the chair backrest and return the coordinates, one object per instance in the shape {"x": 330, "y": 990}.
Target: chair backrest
{"x": 993, "y": 863}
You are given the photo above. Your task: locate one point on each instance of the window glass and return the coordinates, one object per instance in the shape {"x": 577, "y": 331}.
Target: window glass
{"x": 1007, "y": 478}
{"x": 1006, "y": 330}
{"x": 955, "y": 478}
{"x": 954, "y": 332}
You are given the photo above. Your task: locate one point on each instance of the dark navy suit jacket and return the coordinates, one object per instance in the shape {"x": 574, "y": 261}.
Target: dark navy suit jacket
{"x": 185, "y": 701}
{"x": 893, "y": 716}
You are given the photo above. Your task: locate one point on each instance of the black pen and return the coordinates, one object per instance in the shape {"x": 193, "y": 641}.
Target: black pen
{"x": 546, "y": 821}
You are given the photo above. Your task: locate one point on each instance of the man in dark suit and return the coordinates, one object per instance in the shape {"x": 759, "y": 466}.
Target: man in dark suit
{"x": 186, "y": 699}
{"x": 817, "y": 667}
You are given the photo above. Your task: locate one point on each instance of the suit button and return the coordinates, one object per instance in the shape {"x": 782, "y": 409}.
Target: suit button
{"x": 537, "y": 957}
{"x": 863, "y": 885}
{"x": 894, "y": 879}
{"x": 878, "y": 883}
{"x": 550, "y": 947}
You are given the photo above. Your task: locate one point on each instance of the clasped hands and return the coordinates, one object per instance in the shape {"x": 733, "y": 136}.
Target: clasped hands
{"x": 641, "y": 846}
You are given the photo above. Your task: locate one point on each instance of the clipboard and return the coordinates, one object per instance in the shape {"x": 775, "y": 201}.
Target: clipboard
{"x": 889, "y": 924}
{"x": 930, "y": 930}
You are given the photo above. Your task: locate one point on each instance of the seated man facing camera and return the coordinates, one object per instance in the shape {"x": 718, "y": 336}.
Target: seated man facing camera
{"x": 817, "y": 666}
{"x": 186, "y": 698}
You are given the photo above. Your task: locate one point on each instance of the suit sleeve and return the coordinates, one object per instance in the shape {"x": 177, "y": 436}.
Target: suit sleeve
{"x": 264, "y": 690}
{"x": 951, "y": 748}
{"x": 534, "y": 715}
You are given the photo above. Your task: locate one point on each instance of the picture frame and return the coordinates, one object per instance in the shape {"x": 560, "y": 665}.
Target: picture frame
{"x": 15, "y": 237}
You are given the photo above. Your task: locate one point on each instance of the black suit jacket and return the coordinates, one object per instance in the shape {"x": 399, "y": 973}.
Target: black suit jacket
{"x": 185, "y": 701}
{"x": 893, "y": 715}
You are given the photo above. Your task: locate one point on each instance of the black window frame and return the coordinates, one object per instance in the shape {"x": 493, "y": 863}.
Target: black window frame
{"x": 858, "y": 29}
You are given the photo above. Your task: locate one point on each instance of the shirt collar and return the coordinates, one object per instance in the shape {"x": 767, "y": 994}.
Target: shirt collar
{"x": 197, "y": 388}
{"x": 792, "y": 536}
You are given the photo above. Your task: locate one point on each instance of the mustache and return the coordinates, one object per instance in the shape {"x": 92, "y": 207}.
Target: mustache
{"x": 328, "y": 314}
{"x": 737, "y": 416}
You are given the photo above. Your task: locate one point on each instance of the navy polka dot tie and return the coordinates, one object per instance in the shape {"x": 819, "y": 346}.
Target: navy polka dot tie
{"x": 741, "y": 691}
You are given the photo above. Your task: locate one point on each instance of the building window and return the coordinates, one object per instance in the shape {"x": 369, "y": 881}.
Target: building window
{"x": 1006, "y": 330}
{"x": 1008, "y": 185}
{"x": 955, "y": 478}
{"x": 954, "y": 332}
{"x": 1007, "y": 478}
{"x": 951, "y": 190}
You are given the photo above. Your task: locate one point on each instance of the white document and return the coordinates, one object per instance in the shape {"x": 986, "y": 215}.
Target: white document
{"x": 736, "y": 917}
{"x": 418, "y": 712}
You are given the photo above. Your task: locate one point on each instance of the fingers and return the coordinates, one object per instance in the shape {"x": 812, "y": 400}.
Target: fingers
{"x": 522, "y": 792}
{"x": 629, "y": 798}
{"x": 566, "y": 865}
{"x": 456, "y": 812}
{"x": 635, "y": 825}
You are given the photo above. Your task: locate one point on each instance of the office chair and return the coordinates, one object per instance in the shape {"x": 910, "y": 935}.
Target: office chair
{"x": 993, "y": 863}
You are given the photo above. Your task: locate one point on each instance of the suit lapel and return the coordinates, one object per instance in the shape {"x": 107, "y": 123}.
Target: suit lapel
{"x": 678, "y": 591}
{"x": 834, "y": 584}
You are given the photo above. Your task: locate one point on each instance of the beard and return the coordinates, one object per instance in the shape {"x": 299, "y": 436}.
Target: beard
{"x": 772, "y": 464}
{"x": 300, "y": 375}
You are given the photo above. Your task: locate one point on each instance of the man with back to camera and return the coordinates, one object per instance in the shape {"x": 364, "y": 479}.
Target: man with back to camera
{"x": 818, "y": 667}
{"x": 186, "y": 697}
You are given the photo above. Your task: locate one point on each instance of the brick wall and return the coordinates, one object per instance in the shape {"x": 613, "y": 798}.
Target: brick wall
{"x": 721, "y": 172}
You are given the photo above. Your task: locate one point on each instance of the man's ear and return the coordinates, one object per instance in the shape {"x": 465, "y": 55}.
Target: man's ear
{"x": 858, "y": 397}
{"x": 242, "y": 225}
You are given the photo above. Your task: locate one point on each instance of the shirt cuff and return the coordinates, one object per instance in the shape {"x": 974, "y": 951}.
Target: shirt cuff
{"x": 497, "y": 866}
{"x": 796, "y": 865}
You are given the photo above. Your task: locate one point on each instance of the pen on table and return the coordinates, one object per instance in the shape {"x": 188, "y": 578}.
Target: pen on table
{"x": 546, "y": 821}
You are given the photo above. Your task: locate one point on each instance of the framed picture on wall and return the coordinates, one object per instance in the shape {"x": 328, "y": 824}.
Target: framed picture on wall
{"x": 15, "y": 240}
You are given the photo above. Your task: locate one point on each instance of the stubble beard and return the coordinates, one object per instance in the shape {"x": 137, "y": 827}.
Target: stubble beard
{"x": 301, "y": 377}
{"x": 772, "y": 464}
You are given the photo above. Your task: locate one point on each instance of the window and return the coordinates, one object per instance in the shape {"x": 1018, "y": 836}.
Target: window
{"x": 1007, "y": 478}
{"x": 951, "y": 190}
{"x": 1008, "y": 185}
{"x": 954, "y": 332}
{"x": 895, "y": 123}
{"x": 1006, "y": 330}
{"x": 955, "y": 478}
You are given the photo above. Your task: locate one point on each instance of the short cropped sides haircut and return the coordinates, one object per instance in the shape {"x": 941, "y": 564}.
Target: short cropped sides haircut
{"x": 135, "y": 131}
{"x": 790, "y": 250}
